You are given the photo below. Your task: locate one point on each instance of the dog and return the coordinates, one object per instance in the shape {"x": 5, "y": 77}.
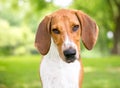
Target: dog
{"x": 58, "y": 40}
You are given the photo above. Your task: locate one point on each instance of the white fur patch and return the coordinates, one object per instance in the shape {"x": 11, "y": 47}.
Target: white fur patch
{"x": 69, "y": 43}
{"x": 55, "y": 73}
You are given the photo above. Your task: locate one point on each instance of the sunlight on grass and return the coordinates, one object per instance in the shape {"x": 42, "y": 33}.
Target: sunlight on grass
{"x": 89, "y": 69}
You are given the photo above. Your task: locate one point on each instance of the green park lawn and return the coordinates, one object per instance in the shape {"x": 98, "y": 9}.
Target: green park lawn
{"x": 23, "y": 72}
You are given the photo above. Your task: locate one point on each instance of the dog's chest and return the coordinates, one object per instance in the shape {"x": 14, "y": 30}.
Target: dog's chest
{"x": 59, "y": 74}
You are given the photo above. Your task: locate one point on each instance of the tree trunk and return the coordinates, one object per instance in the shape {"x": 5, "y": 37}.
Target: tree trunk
{"x": 116, "y": 47}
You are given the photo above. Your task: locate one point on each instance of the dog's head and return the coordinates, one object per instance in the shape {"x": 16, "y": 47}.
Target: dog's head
{"x": 66, "y": 27}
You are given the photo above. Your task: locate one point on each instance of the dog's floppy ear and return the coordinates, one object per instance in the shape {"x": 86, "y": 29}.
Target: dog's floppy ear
{"x": 43, "y": 37}
{"x": 89, "y": 29}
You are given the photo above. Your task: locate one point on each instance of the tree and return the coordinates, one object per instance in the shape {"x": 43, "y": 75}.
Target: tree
{"x": 18, "y": 23}
{"x": 107, "y": 15}
{"x": 115, "y": 11}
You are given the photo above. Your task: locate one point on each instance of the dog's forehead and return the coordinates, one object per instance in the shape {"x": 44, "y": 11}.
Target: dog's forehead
{"x": 63, "y": 15}
{"x": 63, "y": 12}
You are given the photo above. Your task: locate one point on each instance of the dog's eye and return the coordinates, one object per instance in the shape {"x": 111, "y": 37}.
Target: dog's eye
{"x": 56, "y": 31}
{"x": 75, "y": 27}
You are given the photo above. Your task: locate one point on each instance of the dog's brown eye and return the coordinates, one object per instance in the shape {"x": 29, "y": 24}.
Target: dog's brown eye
{"x": 56, "y": 31}
{"x": 75, "y": 27}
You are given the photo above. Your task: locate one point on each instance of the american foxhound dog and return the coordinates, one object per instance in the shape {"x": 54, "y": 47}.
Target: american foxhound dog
{"x": 58, "y": 40}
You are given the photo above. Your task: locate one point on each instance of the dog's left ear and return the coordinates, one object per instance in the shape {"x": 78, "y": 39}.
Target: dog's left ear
{"x": 89, "y": 29}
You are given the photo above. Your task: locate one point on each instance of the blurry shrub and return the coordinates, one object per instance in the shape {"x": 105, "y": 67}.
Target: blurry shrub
{"x": 15, "y": 40}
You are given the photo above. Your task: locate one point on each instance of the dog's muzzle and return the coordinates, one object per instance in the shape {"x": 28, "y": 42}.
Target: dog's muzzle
{"x": 70, "y": 55}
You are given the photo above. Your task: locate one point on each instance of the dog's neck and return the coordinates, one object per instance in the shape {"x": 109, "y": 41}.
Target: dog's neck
{"x": 55, "y": 73}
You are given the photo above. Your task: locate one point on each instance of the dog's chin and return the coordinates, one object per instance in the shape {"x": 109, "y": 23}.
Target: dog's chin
{"x": 70, "y": 60}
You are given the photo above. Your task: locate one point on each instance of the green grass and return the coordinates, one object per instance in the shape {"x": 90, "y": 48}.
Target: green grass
{"x": 19, "y": 72}
{"x": 102, "y": 72}
{"x": 23, "y": 72}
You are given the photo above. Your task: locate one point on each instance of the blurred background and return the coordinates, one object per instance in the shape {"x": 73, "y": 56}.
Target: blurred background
{"x": 19, "y": 59}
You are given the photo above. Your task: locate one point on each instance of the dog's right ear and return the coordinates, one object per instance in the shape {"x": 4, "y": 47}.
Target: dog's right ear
{"x": 43, "y": 37}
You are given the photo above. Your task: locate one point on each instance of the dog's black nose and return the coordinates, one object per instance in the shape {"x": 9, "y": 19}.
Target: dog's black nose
{"x": 70, "y": 53}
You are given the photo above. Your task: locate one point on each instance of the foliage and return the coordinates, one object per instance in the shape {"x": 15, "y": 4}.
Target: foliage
{"x": 18, "y": 23}
{"x": 14, "y": 38}
{"x": 19, "y": 20}
{"x": 23, "y": 71}
{"x": 104, "y": 12}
